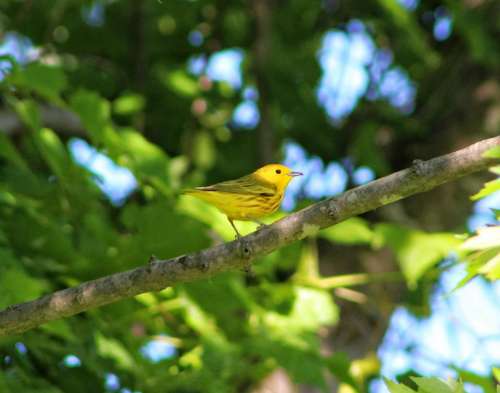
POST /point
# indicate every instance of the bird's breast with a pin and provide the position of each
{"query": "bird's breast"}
(254, 207)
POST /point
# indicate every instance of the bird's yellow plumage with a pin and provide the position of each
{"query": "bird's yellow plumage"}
(249, 197)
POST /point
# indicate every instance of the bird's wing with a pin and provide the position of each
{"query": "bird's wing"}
(243, 185)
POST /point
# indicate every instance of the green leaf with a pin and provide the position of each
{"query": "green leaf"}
(495, 169)
(10, 153)
(488, 189)
(212, 217)
(432, 385)
(149, 223)
(303, 366)
(60, 328)
(94, 112)
(28, 113)
(484, 381)
(181, 83)
(145, 159)
(308, 267)
(487, 237)
(340, 365)
(475, 264)
(415, 42)
(113, 349)
(128, 147)
(397, 388)
(352, 231)
(491, 268)
(15, 284)
(48, 81)
(426, 385)
(54, 152)
(313, 308)
(494, 152)
(416, 251)
(202, 322)
(3, 384)
(128, 104)
(494, 185)
(204, 152)
(470, 25)
(11, 60)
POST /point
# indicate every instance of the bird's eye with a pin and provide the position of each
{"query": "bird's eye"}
(278, 171)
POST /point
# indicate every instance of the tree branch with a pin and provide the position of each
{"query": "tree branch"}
(422, 176)
(60, 120)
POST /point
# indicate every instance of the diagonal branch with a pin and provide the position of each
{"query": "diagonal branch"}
(422, 176)
(60, 120)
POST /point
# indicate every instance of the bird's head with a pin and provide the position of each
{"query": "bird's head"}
(276, 174)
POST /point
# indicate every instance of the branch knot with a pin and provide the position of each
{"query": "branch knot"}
(418, 167)
(332, 210)
(245, 249)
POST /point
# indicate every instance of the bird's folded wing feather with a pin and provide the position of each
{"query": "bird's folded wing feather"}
(244, 185)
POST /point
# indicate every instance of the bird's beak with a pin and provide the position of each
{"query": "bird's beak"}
(293, 174)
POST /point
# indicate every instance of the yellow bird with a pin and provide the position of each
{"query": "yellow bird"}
(250, 197)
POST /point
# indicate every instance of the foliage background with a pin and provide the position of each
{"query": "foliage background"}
(110, 108)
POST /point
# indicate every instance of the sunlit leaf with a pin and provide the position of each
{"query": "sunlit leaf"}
(308, 268)
(416, 251)
(182, 84)
(494, 152)
(313, 308)
(487, 237)
(352, 231)
(394, 387)
(426, 385)
(488, 189)
(433, 385)
(128, 104)
(484, 381)
(113, 349)
(496, 373)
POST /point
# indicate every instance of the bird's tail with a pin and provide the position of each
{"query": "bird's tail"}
(197, 190)
(193, 191)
